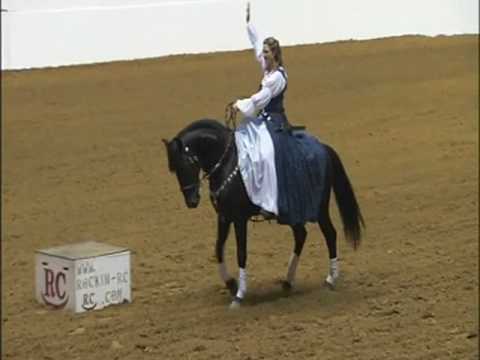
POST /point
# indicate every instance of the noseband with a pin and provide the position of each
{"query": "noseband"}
(192, 159)
(190, 186)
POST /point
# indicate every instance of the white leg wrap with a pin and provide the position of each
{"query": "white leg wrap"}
(242, 283)
(222, 269)
(292, 268)
(333, 272)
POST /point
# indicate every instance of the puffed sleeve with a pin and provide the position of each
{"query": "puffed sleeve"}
(246, 107)
(275, 82)
(250, 106)
(272, 85)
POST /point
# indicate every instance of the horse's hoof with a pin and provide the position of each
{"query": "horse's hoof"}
(329, 285)
(330, 281)
(286, 285)
(235, 304)
(232, 286)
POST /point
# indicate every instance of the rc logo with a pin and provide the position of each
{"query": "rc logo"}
(55, 282)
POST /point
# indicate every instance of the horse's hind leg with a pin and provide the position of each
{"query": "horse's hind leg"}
(300, 234)
(330, 235)
(223, 228)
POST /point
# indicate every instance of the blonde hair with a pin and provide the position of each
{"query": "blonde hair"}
(275, 48)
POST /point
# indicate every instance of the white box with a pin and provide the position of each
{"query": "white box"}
(82, 277)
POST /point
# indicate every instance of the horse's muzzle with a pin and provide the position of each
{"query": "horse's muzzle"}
(192, 201)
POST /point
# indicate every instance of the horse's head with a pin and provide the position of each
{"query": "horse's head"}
(183, 161)
(197, 147)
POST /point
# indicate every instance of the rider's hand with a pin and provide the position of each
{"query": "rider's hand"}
(234, 110)
(248, 12)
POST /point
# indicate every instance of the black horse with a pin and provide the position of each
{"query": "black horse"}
(209, 146)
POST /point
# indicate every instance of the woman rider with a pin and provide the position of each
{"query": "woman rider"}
(274, 164)
(256, 151)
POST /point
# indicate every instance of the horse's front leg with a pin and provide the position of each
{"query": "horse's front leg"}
(241, 236)
(223, 229)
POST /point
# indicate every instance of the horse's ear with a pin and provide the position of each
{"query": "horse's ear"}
(177, 145)
(174, 148)
(174, 145)
(171, 166)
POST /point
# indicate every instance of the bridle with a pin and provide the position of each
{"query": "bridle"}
(193, 160)
(190, 186)
(230, 116)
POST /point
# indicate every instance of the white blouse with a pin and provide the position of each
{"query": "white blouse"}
(273, 82)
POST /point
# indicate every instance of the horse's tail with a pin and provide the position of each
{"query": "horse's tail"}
(346, 201)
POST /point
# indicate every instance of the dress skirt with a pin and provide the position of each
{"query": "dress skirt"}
(301, 163)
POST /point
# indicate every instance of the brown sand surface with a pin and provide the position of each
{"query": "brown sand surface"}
(83, 159)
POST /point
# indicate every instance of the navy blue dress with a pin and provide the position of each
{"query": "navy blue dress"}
(301, 164)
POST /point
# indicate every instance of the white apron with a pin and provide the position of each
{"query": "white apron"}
(256, 160)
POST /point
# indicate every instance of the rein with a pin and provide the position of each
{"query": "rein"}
(207, 175)
(231, 116)
(220, 161)
(215, 194)
(230, 119)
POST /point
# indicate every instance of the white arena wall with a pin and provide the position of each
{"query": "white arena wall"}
(49, 33)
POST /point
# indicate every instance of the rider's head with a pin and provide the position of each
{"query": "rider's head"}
(272, 52)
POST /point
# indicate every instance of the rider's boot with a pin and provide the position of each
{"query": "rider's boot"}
(267, 215)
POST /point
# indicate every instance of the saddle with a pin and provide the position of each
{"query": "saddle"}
(289, 128)
(292, 128)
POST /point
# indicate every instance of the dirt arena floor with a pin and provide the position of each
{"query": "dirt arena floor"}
(82, 159)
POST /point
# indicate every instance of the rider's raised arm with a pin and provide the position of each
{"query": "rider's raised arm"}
(255, 40)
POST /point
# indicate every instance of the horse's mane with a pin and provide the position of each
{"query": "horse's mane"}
(203, 124)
